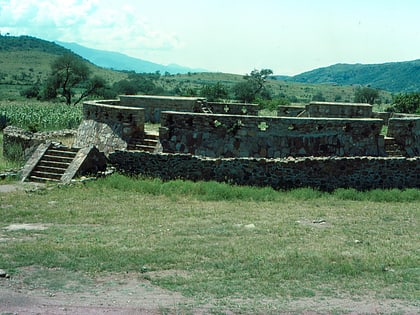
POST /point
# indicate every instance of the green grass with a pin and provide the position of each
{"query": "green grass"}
(4, 163)
(224, 243)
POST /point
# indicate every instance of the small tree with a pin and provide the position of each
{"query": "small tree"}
(366, 95)
(68, 72)
(253, 86)
(214, 92)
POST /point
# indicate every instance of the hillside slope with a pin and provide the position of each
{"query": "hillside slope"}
(26, 60)
(394, 76)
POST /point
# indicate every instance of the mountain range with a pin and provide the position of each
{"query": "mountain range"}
(119, 61)
(394, 77)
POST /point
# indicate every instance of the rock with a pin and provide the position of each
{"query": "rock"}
(3, 274)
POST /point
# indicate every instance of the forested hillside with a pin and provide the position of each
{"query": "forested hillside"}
(395, 77)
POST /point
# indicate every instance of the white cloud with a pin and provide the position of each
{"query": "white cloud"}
(98, 24)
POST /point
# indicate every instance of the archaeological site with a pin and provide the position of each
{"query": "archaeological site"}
(320, 145)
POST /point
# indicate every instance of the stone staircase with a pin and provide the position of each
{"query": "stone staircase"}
(53, 164)
(149, 142)
(205, 109)
(392, 148)
(57, 163)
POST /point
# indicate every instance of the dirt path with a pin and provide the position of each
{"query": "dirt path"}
(115, 294)
(26, 294)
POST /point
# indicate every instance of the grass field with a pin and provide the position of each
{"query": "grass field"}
(214, 242)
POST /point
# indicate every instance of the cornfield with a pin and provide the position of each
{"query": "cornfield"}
(37, 116)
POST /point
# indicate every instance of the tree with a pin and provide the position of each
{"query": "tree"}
(366, 95)
(214, 92)
(253, 86)
(407, 103)
(318, 97)
(92, 86)
(143, 83)
(68, 72)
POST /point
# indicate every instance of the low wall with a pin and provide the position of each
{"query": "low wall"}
(269, 137)
(20, 144)
(154, 105)
(339, 110)
(406, 132)
(233, 108)
(321, 173)
(109, 127)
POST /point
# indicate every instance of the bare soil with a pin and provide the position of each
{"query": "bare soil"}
(118, 294)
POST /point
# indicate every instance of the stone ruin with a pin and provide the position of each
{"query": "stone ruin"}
(322, 145)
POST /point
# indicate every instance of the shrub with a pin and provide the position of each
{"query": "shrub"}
(31, 92)
(3, 121)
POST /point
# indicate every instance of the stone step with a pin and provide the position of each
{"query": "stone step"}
(141, 147)
(45, 175)
(61, 152)
(41, 179)
(54, 158)
(53, 164)
(147, 142)
(206, 110)
(50, 169)
(149, 135)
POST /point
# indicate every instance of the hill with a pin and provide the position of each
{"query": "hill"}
(26, 60)
(393, 76)
(118, 61)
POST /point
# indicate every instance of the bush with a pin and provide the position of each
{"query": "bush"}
(31, 92)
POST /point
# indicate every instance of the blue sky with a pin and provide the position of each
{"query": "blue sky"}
(235, 36)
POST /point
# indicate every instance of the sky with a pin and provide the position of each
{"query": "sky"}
(232, 36)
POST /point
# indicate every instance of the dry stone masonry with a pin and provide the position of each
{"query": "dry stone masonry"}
(269, 137)
(329, 145)
(109, 126)
(326, 173)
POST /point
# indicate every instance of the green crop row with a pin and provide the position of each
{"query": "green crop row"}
(36, 116)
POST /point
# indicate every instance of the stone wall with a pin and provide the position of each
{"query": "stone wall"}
(269, 137)
(20, 144)
(109, 127)
(339, 110)
(322, 173)
(233, 108)
(290, 110)
(154, 105)
(406, 132)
